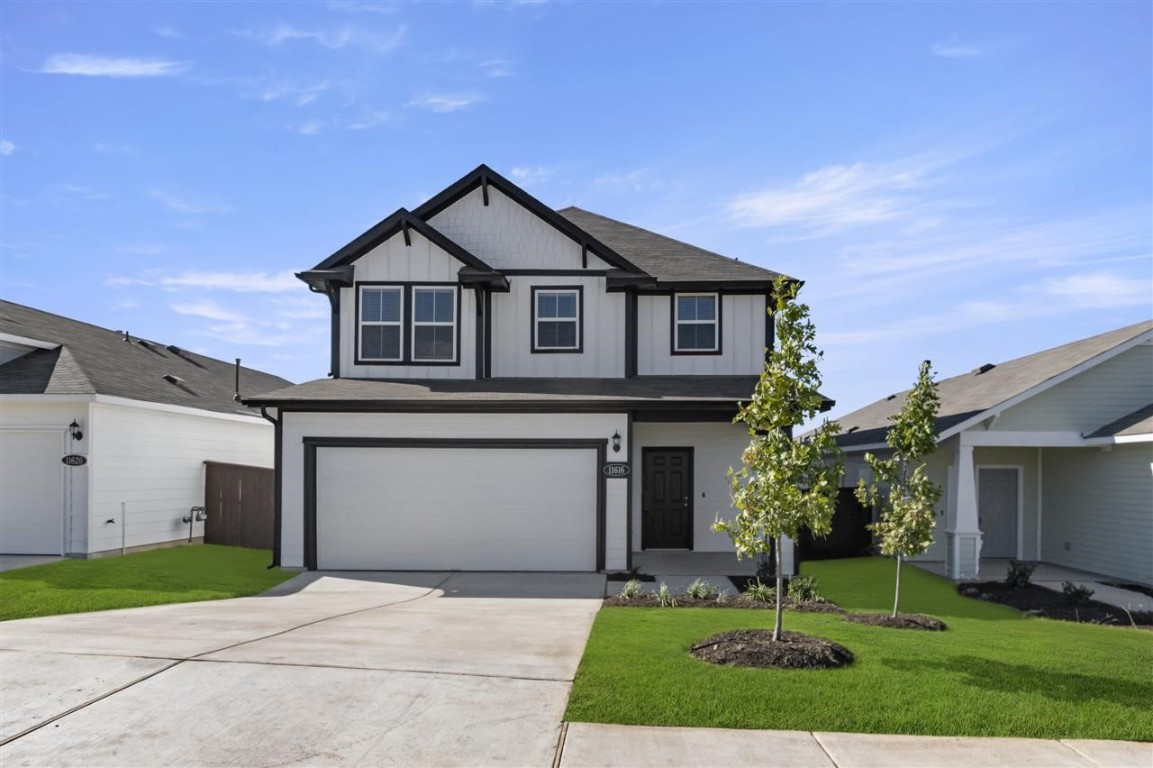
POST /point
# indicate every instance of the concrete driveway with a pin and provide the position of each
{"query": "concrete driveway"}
(327, 669)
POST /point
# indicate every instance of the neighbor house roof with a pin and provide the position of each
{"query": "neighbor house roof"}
(89, 360)
(1140, 422)
(969, 395)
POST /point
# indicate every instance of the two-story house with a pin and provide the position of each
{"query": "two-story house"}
(517, 388)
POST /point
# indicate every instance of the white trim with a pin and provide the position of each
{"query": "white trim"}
(1024, 439)
(1123, 439)
(1020, 469)
(451, 289)
(12, 338)
(1049, 383)
(575, 319)
(866, 447)
(1040, 495)
(361, 323)
(715, 322)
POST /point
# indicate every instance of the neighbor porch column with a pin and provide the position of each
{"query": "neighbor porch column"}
(964, 532)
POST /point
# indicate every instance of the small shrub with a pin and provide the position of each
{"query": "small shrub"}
(701, 590)
(761, 592)
(803, 589)
(1076, 594)
(722, 598)
(1020, 574)
(631, 589)
(666, 597)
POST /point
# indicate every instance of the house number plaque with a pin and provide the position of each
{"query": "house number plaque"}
(616, 469)
(75, 460)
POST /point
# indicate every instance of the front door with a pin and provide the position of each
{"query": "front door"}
(997, 496)
(667, 499)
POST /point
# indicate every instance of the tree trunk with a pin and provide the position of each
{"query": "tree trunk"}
(780, 591)
(897, 591)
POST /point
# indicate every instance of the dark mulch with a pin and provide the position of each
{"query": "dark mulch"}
(629, 576)
(736, 601)
(901, 621)
(755, 648)
(1039, 601)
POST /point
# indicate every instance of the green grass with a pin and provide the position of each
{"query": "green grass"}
(176, 575)
(993, 673)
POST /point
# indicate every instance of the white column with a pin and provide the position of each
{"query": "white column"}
(964, 532)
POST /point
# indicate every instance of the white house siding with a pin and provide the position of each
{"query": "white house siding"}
(1090, 399)
(1098, 510)
(395, 262)
(742, 339)
(40, 422)
(297, 426)
(506, 235)
(153, 462)
(716, 448)
(603, 319)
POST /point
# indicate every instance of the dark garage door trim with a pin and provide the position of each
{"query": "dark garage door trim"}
(312, 443)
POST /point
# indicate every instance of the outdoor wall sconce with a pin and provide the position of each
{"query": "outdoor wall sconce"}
(74, 431)
(616, 442)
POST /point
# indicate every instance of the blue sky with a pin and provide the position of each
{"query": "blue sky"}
(965, 182)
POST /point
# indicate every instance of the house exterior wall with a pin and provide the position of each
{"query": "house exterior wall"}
(1098, 513)
(505, 235)
(1090, 399)
(742, 339)
(716, 448)
(152, 461)
(297, 426)
(1026, 459)
(603, 331)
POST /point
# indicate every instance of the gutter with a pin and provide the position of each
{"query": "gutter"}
(278, 442)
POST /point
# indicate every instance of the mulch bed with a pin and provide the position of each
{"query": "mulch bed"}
(755, 648)
(1039, 601)
(629, 576)
(901, 621)
(734, 601)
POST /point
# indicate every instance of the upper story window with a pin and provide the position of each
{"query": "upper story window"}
(433, 324)
(556, 319)
(381, 310)
(696, 323)
(408, 324)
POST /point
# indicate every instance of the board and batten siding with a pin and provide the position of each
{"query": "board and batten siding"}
(1089, 400)
(394, 262)
(297, 426)
(742, 339)
(506, 235)
(1098, 510)
(152, 461)
(603, 332)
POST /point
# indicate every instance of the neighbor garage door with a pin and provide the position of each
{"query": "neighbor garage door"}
(31, 492)
(492, 508)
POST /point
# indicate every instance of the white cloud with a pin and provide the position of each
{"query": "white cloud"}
(309, 128)
(337, 38)
(237, 282)
(497, 67)
(297, 95)
(87, 193)
(168, 31)
(209, 310)
(635, 180)
(527, 176)
(1095, 290)
(178, 204)
(371, 120)
(105, 66)
(361, 6)
(446, 102)
(957, 51)
(6, 147)
(256, 334)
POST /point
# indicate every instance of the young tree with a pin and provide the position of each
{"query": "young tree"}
(784, 485)
(901, 486)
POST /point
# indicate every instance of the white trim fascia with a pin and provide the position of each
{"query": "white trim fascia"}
(47, 398)
(12, 338)
(866, 447)
(1118, 439)
(1093, 362)
(1024, 439)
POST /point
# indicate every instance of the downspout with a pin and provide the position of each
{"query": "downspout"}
(333, 293)
(278, 461)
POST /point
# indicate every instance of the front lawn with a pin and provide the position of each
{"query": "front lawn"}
(993, 673)
(176, 575)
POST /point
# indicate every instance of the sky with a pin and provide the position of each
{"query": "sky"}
(961, 182)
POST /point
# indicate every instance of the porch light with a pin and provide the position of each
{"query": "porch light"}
(616, 442)
(74, 431)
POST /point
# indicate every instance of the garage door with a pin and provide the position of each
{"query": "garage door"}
(31, 492)
(492, 509)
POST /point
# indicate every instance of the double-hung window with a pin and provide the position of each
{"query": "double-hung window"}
(556, 320)
(381, 313)
(433, 324)
(696, 323)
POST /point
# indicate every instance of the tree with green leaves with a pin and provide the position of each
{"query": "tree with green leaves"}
(900, 486)
(784, 485)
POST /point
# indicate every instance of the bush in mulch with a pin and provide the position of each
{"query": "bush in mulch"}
(901, 621)
(755, 648)
(1047, 603)
(733, 601)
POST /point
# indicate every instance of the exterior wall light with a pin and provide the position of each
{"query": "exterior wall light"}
(74, 431)
(616, 442)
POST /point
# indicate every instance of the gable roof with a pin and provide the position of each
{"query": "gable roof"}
(96, 361)
(968, 397)
(664, 258)
(1140, 422)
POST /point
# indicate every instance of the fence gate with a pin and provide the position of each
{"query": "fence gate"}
(240, 503)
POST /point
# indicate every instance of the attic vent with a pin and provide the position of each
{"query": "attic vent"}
(174, 349)
(145, 344)
(983, 369)
(891, 397)
(173, 379)
(851, 430)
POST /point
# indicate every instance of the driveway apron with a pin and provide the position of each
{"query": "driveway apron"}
(336, 668)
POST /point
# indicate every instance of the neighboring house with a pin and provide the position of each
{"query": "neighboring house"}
(1047, 457)
(145, 416)
(497, 368)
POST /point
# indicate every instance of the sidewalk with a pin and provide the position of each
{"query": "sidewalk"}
(585, 745)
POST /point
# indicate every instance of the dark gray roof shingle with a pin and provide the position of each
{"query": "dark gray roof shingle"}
(1140, 422)
(93, 360)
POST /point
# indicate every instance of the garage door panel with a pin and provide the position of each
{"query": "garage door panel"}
(459, 509)
(31, 492)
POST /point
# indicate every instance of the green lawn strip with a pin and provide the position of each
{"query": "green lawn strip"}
(175, 575)
(993, 673)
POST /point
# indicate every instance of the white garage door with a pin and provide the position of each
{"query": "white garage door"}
(31, 492)
(491, 509)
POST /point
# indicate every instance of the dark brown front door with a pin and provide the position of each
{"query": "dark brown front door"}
(667, 499)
